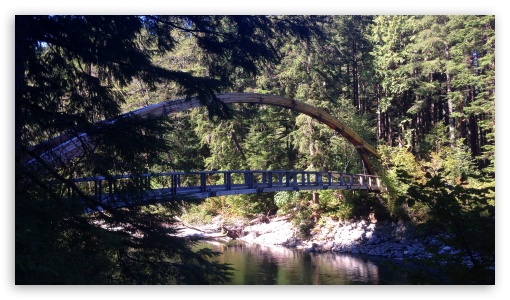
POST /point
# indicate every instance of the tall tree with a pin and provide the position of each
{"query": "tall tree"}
(473, 63)
(429, 73)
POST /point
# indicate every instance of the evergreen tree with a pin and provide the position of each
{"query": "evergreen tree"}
(473, 63)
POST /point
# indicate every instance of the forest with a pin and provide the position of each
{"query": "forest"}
(421, 89)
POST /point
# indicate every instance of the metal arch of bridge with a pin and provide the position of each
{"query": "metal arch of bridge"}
(161, 187)
(65, 147)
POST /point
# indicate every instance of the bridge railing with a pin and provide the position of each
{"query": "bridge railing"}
(205, 184)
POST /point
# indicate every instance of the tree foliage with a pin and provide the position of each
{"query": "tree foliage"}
(466, 218)
(73, 71)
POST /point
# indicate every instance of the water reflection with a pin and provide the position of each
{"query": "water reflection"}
(271, 265)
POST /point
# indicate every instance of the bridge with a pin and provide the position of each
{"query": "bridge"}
(126, 190)
(204, 184)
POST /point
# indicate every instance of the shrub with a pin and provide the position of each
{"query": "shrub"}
(196, 215)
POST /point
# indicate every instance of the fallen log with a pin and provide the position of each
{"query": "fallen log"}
(191, 226)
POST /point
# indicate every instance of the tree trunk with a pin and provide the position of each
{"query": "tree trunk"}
(379, 123)
(451, 119)
(355, 76)
(473, 136)
(237, 145)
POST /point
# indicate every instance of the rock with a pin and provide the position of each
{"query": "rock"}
(446, 248)
(393, 240)
(292, 242)
(410, 250)
(312, 247)
(328, 246)
(250, 237)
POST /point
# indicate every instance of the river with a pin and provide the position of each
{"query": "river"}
(277, 265)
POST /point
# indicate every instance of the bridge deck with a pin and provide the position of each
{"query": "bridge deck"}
(160, 187)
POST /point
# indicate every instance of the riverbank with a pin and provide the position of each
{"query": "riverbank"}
(385, 239)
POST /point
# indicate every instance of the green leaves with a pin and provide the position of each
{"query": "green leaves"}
(282, 198)
(466, 213)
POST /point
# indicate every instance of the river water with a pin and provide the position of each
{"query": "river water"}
(277, 265)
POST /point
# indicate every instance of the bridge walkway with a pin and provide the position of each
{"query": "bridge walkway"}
(160, 187)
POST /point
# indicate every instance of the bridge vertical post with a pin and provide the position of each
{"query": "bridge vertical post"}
(303, 180)
(228, 181)
(352, 180)
(341, 178)
(287, 179)
(136, 182)
(318, 179)
(174, 184)
(270, 181)
(97, 189)
(329, 178)
(110, 190)
(248, 181)
(264, 177)
(369, 181)
(140, 184)
(361, 180)
(308, 179)
(202, 182)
